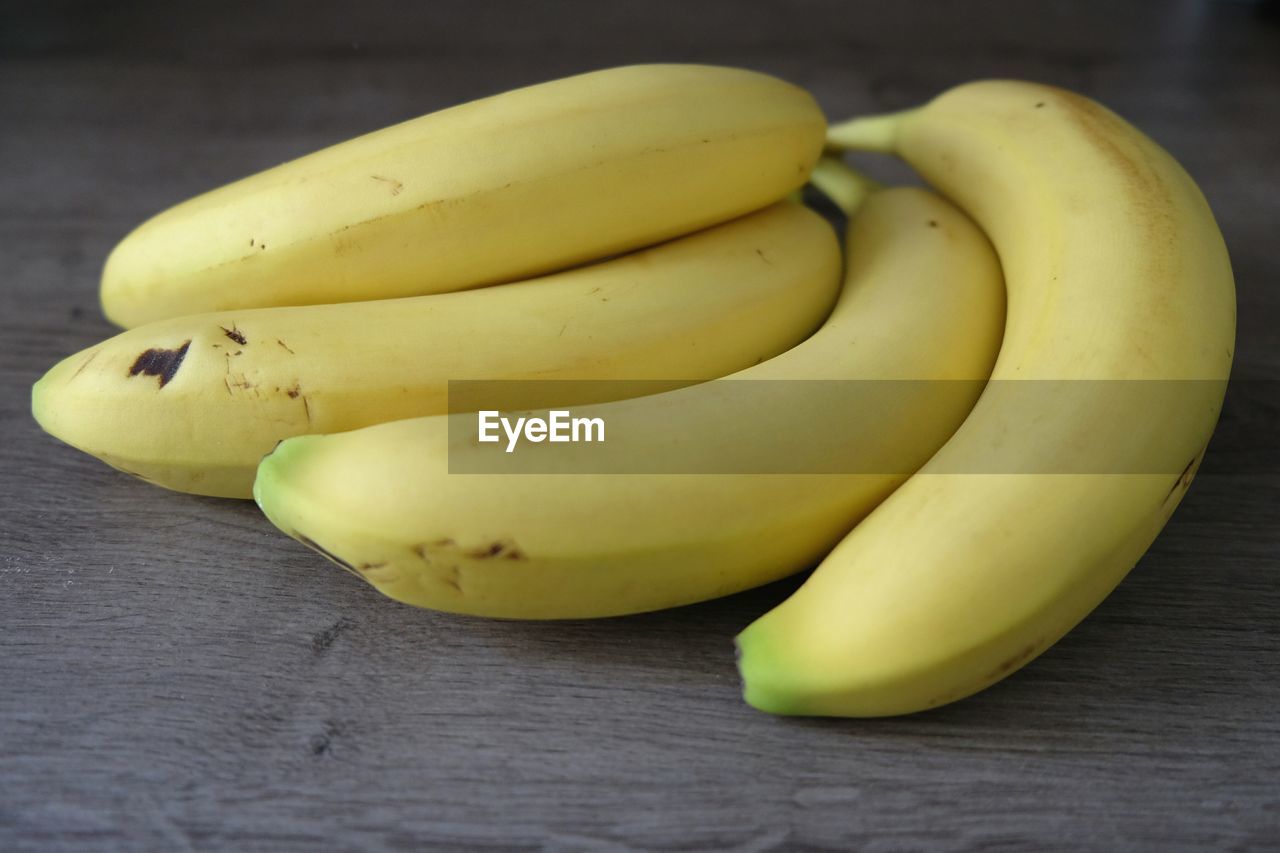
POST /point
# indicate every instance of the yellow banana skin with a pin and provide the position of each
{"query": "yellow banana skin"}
(194, 403)
(922, 298)
(1115, 270)
(500, 189)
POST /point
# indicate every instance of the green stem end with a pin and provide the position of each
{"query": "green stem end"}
(868, 133)
(841, 183)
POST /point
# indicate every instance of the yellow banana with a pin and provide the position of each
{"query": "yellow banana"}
(195, 402)
(922, 299)
(499, 189)
(1117, 348)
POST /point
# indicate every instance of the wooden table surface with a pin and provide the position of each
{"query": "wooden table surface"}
(176, 675)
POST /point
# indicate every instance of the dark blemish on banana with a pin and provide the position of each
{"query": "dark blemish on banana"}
(506, 550)
(85, 363)
(761, 253)
(423, 549)
(294, 391)
(163, 363)
(235, 335)
(1020, 658)
(395, 185)
(326, 553)
(933, 223)
(368, 567)
(286, 347)
(250, 241)
(1184, 479)
(322, 640)
(454, 578)
(1040, 104)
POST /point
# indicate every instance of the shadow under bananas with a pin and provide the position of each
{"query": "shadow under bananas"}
(1169, 648)
(1172, 646)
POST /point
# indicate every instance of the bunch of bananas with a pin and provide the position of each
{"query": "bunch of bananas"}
(293, 337)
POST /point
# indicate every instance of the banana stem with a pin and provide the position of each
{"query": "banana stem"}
(867, 133)
(841, 183)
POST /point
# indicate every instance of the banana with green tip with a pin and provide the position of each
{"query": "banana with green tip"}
(1110, 379)
(922, 300)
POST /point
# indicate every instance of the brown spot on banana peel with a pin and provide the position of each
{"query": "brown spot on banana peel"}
(163, 363)
(85, 363)
(1184, 479)
(486, 551)
(423, 551)
(505, 549)
(395, 186)
(1010, 664)
(453, 578)
(286, 347)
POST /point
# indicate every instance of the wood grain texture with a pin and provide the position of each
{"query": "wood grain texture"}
(174, 675)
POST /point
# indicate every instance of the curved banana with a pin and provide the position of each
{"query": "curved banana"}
(922, 299)
(504, 188)
(1109, 382)
(194, 403)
